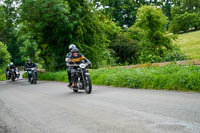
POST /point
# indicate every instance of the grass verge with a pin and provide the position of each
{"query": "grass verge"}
(171, 77)
(2, 75)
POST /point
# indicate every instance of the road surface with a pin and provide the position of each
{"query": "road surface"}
(51, 107)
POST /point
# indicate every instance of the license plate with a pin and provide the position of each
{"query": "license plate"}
(87, 74)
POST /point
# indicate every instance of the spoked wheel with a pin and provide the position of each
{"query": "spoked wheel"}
(88, 85)
(34, 79)
(13, 79)
(75, 90)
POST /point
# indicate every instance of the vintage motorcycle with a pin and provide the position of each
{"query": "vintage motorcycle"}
(13, 74)
(83, 81)
(32, 72)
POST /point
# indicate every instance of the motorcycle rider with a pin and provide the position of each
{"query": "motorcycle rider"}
(10, 67)
(76, 58)
(30, 65)
(71, 46)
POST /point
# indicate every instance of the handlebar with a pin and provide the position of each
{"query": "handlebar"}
(31, 68)
(76, 65)
(73, 65)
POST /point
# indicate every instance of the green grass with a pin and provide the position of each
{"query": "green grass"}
(171, 77)
(2, 75)
(190, 44)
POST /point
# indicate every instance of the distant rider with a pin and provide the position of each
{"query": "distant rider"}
(76, 58)
(9, 68)
(30, 65)
(71, 46)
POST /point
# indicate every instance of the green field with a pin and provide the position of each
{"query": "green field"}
(190, 44)
(171, 77)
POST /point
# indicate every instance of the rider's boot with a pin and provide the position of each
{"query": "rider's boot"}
(73, 85)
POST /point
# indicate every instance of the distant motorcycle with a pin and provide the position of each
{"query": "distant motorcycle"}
(83, 81)
(13, 74)
(17, 73)
(32, 72)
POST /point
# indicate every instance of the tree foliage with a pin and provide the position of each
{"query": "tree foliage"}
(4, 56)
(8, 26)
(151, 27)
(57, 23)
(105, 31)
(185, 16)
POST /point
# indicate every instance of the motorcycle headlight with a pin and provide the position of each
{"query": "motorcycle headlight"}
(82, 65)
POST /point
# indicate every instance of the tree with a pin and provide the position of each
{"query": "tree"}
(185, 16)
(154, 43)
(29, 45)
(8, 28)
(190, 5)
(57, 23)
(4, 56)
(123, 12)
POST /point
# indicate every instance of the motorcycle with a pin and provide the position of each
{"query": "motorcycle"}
(83, 81)
(32, 72)
(17, 73)
(12, 74)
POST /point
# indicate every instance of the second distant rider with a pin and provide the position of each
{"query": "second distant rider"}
(30, 65)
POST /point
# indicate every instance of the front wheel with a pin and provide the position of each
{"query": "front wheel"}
(13, 79)
(34, 79)
(75, 90)
(88, 85)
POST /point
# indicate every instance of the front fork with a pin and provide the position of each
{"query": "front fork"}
(80, 80)
(83, 79)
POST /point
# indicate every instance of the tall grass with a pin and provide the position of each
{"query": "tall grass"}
(171, 77)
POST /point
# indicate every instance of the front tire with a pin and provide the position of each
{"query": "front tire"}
(88, 85)
(13, 79)
(75, 90)
(34, 79)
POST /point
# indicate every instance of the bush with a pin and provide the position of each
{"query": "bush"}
(4, 56)
(125, 48)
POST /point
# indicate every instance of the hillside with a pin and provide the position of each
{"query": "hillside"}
(190, 44)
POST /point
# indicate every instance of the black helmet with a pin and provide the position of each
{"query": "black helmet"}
(28, 60)
(74, 50)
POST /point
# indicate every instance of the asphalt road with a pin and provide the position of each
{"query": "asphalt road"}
(51, 107)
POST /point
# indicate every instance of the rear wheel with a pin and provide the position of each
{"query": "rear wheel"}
(88, 85)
